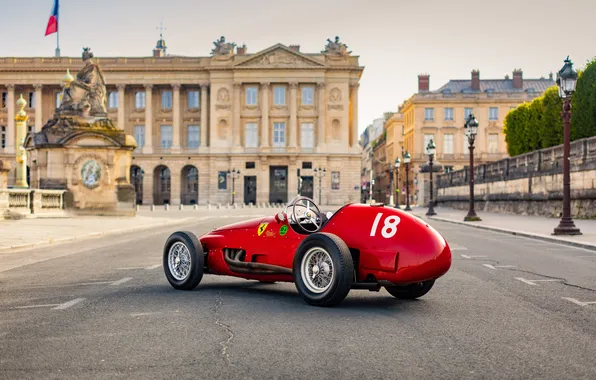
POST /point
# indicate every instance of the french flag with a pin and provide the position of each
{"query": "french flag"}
(53, 22)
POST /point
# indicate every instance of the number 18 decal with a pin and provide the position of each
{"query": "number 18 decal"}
(389, 226)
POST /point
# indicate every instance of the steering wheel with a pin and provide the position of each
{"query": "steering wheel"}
(309, 216)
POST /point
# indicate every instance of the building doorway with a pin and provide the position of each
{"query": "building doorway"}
(190, 185)
(136, 179)
(161, 185)
(250, 189)
(278, 184)
(307, 189)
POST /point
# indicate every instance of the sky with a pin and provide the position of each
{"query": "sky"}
(396, 40)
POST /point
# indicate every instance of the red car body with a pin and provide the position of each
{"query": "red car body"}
(389, 246)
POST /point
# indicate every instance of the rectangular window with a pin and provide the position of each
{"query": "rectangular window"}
(308, 96)
(429, 114)
(113, 100)
(307, 165)
(222, 180)
(3, 137)
(427, 138)
(4, 97)
(194, 137)
(279, 134)
(32, 100)
(193, 99)
(166, 100)
(493, 113)
(140, 100)
(251, 96)
(448, 113)
(467, 112)
(249, 165)
(334, 180)
(279, 95)
(307, 135)
(166, 136)
(139, 135)
(251, 135)
(58, 99)
(493, 143)
(448, 143)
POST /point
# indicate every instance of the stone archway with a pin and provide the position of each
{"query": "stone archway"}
(136, 179)
(162, 181)
(189, 186)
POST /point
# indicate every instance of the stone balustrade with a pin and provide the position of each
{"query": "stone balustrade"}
(531, 183)
(31, 203)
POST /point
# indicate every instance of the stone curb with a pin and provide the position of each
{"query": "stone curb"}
(94, 235)
(520, 233)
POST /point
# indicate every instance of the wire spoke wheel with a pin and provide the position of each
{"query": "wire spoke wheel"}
(179, 261)
(317, 270)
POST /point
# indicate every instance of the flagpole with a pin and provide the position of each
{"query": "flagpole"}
(58, 30)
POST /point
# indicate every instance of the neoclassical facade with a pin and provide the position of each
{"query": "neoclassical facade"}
(209, 129)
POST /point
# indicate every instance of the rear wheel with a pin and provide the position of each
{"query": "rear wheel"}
(183, 260)
(323, 269)
(411, 291)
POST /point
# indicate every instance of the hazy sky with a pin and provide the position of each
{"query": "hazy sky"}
(396, 40)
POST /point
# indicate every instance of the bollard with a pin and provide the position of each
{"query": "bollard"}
(234, 205)
(138, 208)
(181, 207)
(243, 206)
(196, 207)
(167, 206)
(152, 207)
(218, 206)
(208, 206)
(227, 205)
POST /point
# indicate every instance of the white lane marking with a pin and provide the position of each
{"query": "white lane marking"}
(489, 266)
(122, 281)
(590, 256)
(577, 302)
(533, 282)
(130, 268)
(68, 304)
(459, 248)
(36, 306)
(505, 266)
(153, 266)
(471, 257)
(144, 314)
(93, 283)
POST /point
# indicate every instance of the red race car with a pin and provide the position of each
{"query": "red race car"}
(358, 247)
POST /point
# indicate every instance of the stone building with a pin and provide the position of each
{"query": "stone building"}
(197, 119)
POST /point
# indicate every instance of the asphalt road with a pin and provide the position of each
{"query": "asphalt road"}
(510, 308)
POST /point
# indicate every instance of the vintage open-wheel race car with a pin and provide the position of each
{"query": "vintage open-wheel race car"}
(359, 246)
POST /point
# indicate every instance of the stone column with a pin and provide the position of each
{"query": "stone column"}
(121, 115)
(321, 133)
(38, 107)
(293, 116)
(237, 128)
(265, 115)
(354, 105)
(204, 120)
(148, 148)
(10, 132)
(147, 185)
(176, 119)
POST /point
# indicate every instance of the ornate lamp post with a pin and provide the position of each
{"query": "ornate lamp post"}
(397, 164)
(471, 131)
(320, 173)
(21, 153)
(407, 162)
(234, 174)
(431, 149)
(566, 80)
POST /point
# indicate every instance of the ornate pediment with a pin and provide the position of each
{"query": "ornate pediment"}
(279, 56)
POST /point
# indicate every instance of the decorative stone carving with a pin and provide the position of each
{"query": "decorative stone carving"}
(204, 86)
(176, 86)
(293, 85)
(10, 87)
(336, 48)
(223, 95)
(335, 107)
(222, 48)
(38, 87)
(320, 85)
(278, 57)
(91, 173)
(222, 106)
(121, 87)
(148, 87)
(335, 95)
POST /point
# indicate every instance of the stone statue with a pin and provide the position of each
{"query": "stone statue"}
(86, 95)
(222, 47)
(336, 48)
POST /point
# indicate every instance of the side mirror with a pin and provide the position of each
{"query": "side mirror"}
(280, 217)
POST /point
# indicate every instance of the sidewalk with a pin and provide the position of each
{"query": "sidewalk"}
(536, 227)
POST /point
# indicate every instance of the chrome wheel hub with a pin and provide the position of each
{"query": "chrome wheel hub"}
(317, 270)
(179, 261)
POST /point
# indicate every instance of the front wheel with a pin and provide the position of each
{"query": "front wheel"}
(411, 291)
(183, 260)
(323, 269)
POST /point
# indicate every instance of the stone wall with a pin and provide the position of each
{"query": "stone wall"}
(529, 184)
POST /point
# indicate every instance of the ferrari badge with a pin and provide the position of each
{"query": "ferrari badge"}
(262, 227)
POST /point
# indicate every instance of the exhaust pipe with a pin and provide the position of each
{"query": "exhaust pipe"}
(236, 265)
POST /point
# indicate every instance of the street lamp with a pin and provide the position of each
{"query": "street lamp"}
(471, 131)
(407, 162)
(234, 174)
(397, 164)
(319, 173)
(430, 150)
(566, 80)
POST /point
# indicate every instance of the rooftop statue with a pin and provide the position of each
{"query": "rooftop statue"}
(222, 47)
(336, 48)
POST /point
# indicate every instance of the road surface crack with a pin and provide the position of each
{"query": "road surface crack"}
(563, 281)
(225, 344)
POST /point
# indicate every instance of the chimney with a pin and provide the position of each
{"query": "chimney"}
(475, 80)
(423, 82)
(518, 81)
(295, 48)
(550, 75)
(241, 50)
(158, 52)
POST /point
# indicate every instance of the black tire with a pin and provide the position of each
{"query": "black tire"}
(342, 264)
(411, 291)
(197, 260)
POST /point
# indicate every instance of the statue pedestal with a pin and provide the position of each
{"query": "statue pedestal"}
(92, 164)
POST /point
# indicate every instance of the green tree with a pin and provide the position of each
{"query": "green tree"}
(583, 119)
(551, 132)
